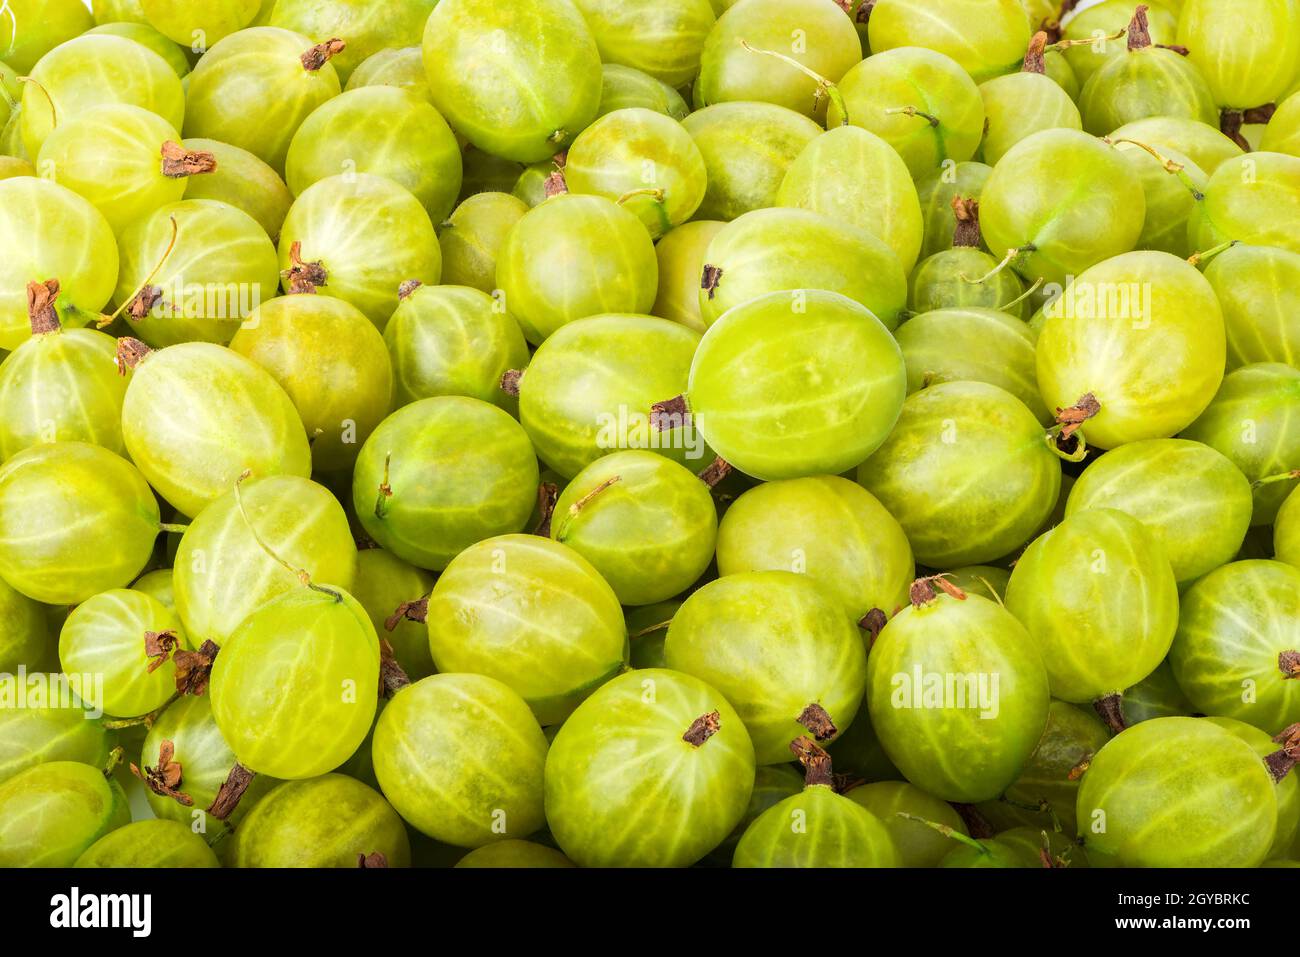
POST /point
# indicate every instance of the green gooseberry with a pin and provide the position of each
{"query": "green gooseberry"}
(241, 180)
(986, 853)
(508, 604)
(331, 362)
(647, 524)
(295, 688)
(1250, 200)
(858, 751)
(367, 27)
(539, 89)
(777, 51)
(779, 250)
(92, 71)
(514, 853)
(965, 277)
(1155, 696)
(1177, 792)
(1019, 105)
(1171, 183)
(24, 632)
(105, 650)
(968, 472)
(149, 37)
(32, 28)
(359, 237)
(747, 148)
(254, 88)
(1282, 134)
(147, 844)
(827, 527)
(327, 821)
(473, 235)
(1254, 420)
(75, 520)
(533, 185)
(958, 695)
(1058, 70)
(384, 131)
(485, 173)
(1047, 790)
(647, 629)
(51, 813)
(11, 95)
(853, 176)
(643, 160)
(648, 733)
(623, 87)
(972, 345)
(12, 167)
(895, 804)
(194, 271)
(773, 783)
(817, 827)
(401, 68)
(1286, 531)
(66, 239)
(1237, 651)
(157, 584)
(780, 647)
(663, 39)
(453, 340)
(1258, 288)
(197, 415)
(199, 21)
(117, 11)
(796, 383)
(1288, 789)
(1200, 142)
(49, 729)
(1143, 334)
(1099, 598)
(919, 101)
(589, 388)
(440, 474)
(986, 581)
(936, 193)
(575, 256)
(1058, 231)
(1194, 501)
(680, 255)
(1097, 34)
(223, 572)
(986, 37)
(472, 777)
(384, 583)
(1247, 50)
(61, 385)
(1145, 81)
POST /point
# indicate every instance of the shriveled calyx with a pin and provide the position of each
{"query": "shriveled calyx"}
(1139, 34)
(709, 279)
(178, 162)
(1288, 662)
(407, 289)
(164, 779)
(510, 380)
(923, 590)
(1280, 762)
(873, 623)
(41, 313)
(816, 763)
(194, 668)
(231, 792)
(320, 54)
(715, 472)
(304, 277)
(1064, 438)
(371, 862)
(817, 720)
(130, 353)
(158, 648)
(1036, 56)
(669, 414)
(1110, 709)
(548, 493)
(392, 676)
(703, 728)
(967, 233)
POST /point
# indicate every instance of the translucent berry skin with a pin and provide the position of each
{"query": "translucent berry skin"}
(813, 338)
(1019, 105)
(150, 843)
(987, 37)
(384, 582)
(472, 237)
(1288, 789)
(1235, 625)
(368, 28)
(1142, 83)
(191, 20)
(625, 744)
(1177, 792)
(541, 89)
(623, 87)
(514, 853)
(1244, 66)
(51, 813)
(241, 180)
(1286, 531)
(75, 520)
(1242, 200)
(664, 40)
(1169, 202)
(935, 193)
(504, 606)
(1204, 145)
(402, 68)
(327, 821)
(439, 475)
(917, 844)
(38, 735)
(957, 750)
(38, 26)
(681, 263)
(294, 690)
(1097, 595)
(1259, 290)
(836, 832)
(472, 778)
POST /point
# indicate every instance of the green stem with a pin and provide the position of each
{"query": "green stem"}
(1171, 166)
(824, 86)
(913, 111)
(171, 529)
(1271, 479)
(299, 573)
(1195, 259)
(661, 207)
(946, 831)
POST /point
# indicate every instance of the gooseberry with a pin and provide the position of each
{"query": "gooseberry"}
(31, 28)
(54, 729)
(241, 180)
(1258, 288)
(1244, 67)
(623, 87)
(986, 37)
(473, 235)
(367, 27)
(150, 843)
(663, 39)
(51, 813)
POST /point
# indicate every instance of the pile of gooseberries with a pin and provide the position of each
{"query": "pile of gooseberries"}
(578, 433)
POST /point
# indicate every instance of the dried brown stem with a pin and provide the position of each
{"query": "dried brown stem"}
(703, 728)
(178, 162)
(230, 792)
(320, 54)
(40, 306)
